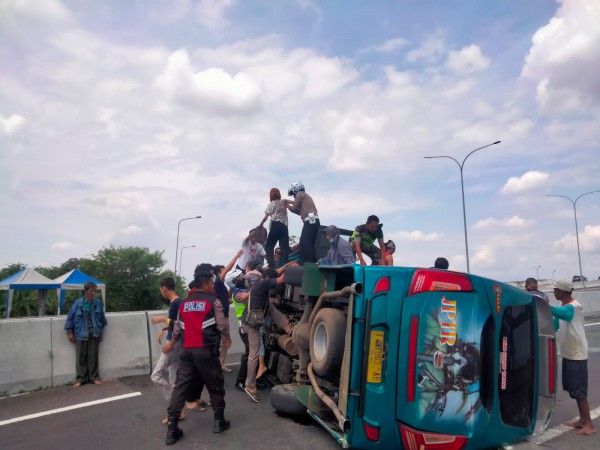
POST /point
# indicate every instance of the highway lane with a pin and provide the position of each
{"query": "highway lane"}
(134, 422)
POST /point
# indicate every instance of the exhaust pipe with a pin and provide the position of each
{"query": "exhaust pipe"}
(286, 343)
(343, 422)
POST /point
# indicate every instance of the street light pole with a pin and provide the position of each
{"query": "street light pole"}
(574, 203)
(462, 189)
(537, 272)
(181, 256)
(553, 272)
(177, 246)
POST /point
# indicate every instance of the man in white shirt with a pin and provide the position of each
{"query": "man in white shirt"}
(253, 251)
(568, 321)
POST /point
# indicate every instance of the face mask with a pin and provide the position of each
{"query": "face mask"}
(331, 241)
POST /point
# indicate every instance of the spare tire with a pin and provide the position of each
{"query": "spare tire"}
(327, 339)
(284, 400)
(293, 275)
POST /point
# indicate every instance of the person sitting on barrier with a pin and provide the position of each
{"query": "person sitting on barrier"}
(84, 325)
(201, 314)
(363, 241)
(258, 301)
(339, 252)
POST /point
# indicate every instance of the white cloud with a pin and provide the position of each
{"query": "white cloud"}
(468, 60)
(589, 240)
(132, 229)
(485, 256)
(388, 46)
(529, 181)
(511, 222)
(47, 11)
(12, 124)
(432, 48)
(564, 56)
(211, 13)
(213, 88)
(417, 235)
(63, 245)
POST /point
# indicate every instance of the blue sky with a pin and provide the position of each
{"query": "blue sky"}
(118, 119)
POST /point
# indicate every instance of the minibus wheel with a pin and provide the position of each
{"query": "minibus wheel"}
(327, 342)
(284, 400)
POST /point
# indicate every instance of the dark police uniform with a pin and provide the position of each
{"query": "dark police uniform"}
(201, 319)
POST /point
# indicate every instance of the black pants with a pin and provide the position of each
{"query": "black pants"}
(86, 360)
(241, 375)
(278, 232)
(308, 238)
(198, 365)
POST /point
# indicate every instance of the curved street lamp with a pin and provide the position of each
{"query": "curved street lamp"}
(537, 272)
(574, 203)
(177, 246)
(181, 255)
(462, 188)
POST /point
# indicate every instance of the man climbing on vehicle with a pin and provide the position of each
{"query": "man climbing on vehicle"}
(363, 241)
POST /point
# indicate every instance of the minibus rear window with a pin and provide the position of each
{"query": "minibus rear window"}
(517, 366)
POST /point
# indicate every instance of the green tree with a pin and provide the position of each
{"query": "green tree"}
(131, 275)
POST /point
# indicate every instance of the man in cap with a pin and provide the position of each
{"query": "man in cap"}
(568, 321)
(201, 314)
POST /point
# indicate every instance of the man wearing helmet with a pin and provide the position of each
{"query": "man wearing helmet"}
(304, 206)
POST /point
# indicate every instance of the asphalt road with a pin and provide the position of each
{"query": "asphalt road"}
(133, 422)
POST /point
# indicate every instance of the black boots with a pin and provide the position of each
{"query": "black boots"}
(173, 432)
(221, 425)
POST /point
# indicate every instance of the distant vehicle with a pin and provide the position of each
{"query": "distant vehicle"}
(413, 358)
(580, 278)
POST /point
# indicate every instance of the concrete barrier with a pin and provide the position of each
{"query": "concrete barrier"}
(26, 356)
(37, 354)
(233, 355)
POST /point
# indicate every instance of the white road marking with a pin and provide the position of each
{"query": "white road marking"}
(68, 408)
(591, 324)
(558, 430)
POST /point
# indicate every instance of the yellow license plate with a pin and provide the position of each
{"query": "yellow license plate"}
(375, 357)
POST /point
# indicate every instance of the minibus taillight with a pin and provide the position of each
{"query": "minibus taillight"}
(371, 431)
(427, 280)
(551, 366)
(412, 359)
(421, 440)
(382, 285)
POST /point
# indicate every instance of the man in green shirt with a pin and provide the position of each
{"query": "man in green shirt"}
(363, 241)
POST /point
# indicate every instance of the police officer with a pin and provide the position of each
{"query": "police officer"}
(201, 316)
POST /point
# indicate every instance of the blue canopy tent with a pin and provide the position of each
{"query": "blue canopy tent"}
(74, 280)
(27, 279)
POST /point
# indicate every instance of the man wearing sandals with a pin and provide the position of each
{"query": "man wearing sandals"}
(568, 321)
(85, 324)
